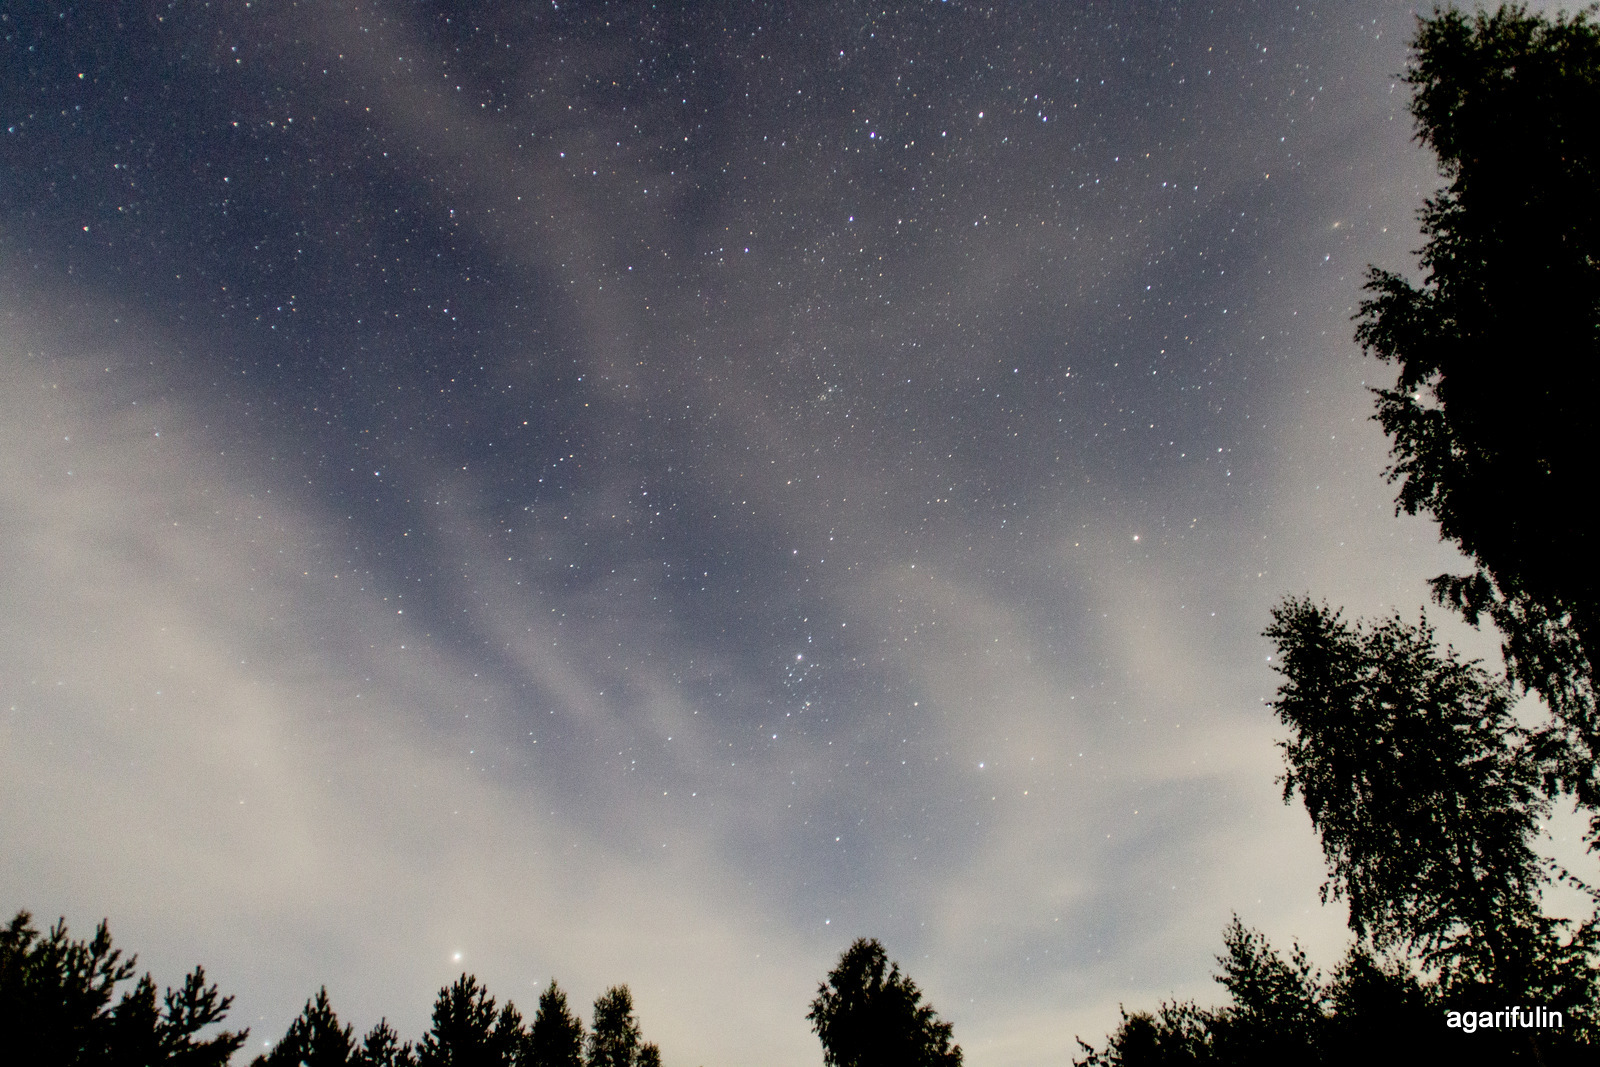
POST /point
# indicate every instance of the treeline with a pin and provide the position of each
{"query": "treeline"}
(1429, 795)
(1427, 783)
(59, 1007)
(57, 993)
(468, 1029)
(56, 1005)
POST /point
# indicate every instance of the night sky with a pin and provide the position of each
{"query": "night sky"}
(649, 493)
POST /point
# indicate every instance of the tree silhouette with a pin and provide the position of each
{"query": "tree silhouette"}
(1425, 788)
(1376, 1003)
(55, 1005)
(1428, 795)
(1282, 1011)
(1279, 1005)
(314, 1039)
(614, 1035)
(382, 1047)
(1422, 785)
(468, 1032)
(56, 1009)
(868, 1014)
(1499, 349)
(556, 1037)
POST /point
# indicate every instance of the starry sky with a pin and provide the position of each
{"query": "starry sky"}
(650, 493)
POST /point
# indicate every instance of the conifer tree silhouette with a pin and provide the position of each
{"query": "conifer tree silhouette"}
(556, 1037)
(382, 1047)
(55, 1005)
(468, 1032)
(314, 1039)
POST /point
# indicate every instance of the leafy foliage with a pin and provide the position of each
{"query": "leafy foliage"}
(868, 1014)
(55, 1003)
(1427, 792)
(1499, 349)
(1279, 1004)
(1282, 1011)
(1428, 796)
(1423, 787)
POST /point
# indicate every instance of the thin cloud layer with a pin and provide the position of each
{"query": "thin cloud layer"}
(650, 500)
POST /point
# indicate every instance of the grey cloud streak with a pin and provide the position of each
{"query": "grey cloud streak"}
(194, 723)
